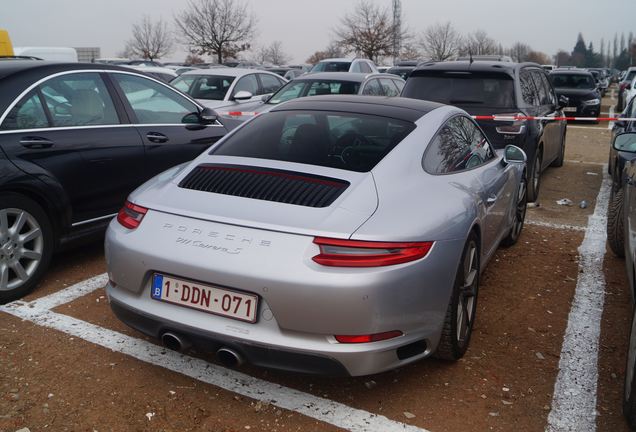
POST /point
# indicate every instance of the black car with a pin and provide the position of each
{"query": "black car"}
(580, 87)
(505, 89)
(616, 164)
(75, 140)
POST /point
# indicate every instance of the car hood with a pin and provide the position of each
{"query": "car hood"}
(577, 93)
(340, 219)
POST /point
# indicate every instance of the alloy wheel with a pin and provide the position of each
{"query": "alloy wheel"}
(467, 294)
(21, 247)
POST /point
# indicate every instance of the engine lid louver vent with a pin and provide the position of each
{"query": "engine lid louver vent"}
(267, 184)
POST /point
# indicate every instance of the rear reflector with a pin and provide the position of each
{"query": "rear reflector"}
(368, 338)
(355, 253)
(131, 215)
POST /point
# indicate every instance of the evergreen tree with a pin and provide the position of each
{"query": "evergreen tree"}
(615, 51)
(622, 43)
(579, 53)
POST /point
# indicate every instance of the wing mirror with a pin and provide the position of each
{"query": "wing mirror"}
(513, 154)
(563, 101)
(243, 95)
(625, 142)
(208, 115)
(265, 98)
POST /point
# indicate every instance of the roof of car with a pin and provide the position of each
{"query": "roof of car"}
(570, 72)
(476, 66)
(232, 72)
(45, 67)
(339, 59)
(394, 107)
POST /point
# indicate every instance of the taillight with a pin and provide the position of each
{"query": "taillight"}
(131, 215)
(355, 253)
(368, 338)
(517, 127)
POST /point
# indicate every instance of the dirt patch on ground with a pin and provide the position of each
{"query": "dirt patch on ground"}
(505, 381)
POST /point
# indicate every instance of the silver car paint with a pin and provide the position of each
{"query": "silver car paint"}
(266, 248)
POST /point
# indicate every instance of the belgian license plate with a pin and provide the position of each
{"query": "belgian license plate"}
(215, 300)
(569, 109)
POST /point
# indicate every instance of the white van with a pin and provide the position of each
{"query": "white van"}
(57, 54)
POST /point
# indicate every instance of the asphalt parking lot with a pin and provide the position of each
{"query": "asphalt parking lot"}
(71, 365)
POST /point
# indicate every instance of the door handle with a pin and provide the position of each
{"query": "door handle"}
(156, 137)
(35, 143)
(491, 200)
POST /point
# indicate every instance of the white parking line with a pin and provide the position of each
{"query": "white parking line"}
(325, 410)
(574, 400)
(557, 226)
(598, 128)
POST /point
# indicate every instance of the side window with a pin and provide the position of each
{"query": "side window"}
(270, 83)
(184, 83)
(247, 83)
(458, 146)
(365, 68)
(552, 99)
(152, 102)
(27, 114)
(79, 99)
(399, 85)
(356, 67)
(542, 88)
(373, 88)
(389, 86)
(528, 91)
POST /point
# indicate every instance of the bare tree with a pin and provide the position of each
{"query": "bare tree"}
(368, 30)
(333, 50)
(273, 53)
(440, 41)
(538, 57)
(222, 28)
(410, 51)
(519, 52)
(478, 43)
(150, 40)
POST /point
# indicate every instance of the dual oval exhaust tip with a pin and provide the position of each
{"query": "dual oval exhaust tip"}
(226, 356)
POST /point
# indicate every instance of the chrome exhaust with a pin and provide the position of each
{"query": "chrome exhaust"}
(174, 342)
(229, 358)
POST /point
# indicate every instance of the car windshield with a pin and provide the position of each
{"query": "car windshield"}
(572, 81)
(332, 67)
(211, 87)
(463, 88)
(630, 76)
(297, 89)
(354, 142)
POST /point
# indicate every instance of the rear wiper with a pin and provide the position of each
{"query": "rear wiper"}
(461, 101)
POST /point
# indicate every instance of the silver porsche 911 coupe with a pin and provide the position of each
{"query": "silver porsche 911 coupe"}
(332, 235)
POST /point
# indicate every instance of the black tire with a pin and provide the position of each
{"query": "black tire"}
(558, 162)
(452, 346)
(616, 223)
(520, 214)
(629, 390)
(26, 245)
(534, 179)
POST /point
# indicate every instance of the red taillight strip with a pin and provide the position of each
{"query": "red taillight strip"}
(131, 215)
(388, 253)
(377, 337)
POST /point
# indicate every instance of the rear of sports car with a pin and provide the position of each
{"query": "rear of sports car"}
(256, 258)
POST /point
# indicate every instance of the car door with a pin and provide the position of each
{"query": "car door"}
(269, 84)
(83, 142)
(548, 108)
(167, 122)
(248, 83)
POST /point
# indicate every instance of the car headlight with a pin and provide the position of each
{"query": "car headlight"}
(592, 102)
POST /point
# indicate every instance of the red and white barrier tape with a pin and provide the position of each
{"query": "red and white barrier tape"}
(237, 113)
(520, 118)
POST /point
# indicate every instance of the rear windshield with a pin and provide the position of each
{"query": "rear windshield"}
(354, 142)
(464, 88)
(297, 89)
(211, 87)
(572, 81)
(332, 67)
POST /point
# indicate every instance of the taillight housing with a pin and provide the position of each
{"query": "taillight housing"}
(516, 127)
(356, 253)
(131, 215)
(377, 337)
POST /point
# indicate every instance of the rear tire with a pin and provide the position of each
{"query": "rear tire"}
(534, 181)
(460, 314)
(26, 245)
(615, 223)
(558, 162)
(520, 214)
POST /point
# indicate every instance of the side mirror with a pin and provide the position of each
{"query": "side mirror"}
(265, 98)
(563, 101)
(513, 154)
(207, 116)
(242, 95)
(625, 142)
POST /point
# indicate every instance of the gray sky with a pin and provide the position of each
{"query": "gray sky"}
(305, 26)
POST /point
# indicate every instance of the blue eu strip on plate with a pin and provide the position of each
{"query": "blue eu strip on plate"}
(157, 284)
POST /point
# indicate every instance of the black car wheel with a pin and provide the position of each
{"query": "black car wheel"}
(460, 315)
(615, 223)
(558, 162)
(629, 393)
(534, 181)
(26, 244)
(520, 214)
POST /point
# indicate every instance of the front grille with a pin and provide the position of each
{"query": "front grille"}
(265, 184)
